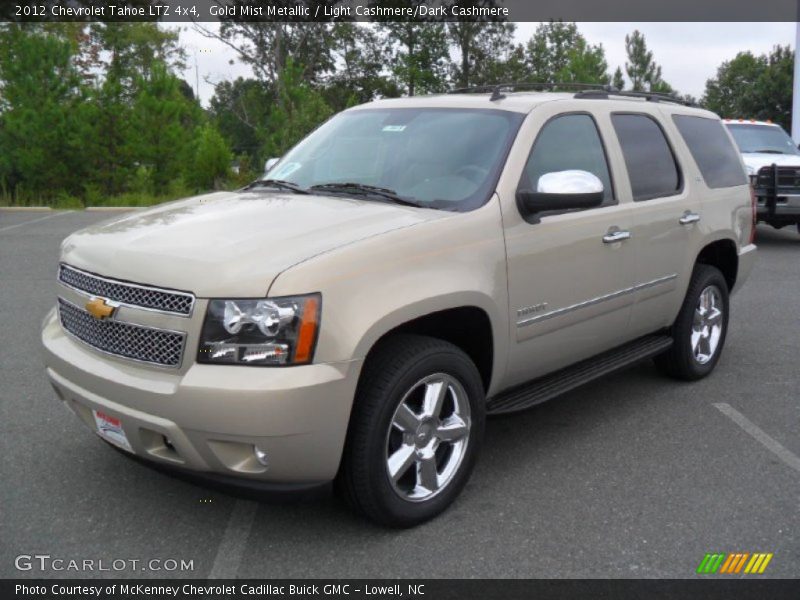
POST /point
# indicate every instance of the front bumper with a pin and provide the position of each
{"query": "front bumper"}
(209, 418)
(786, 208)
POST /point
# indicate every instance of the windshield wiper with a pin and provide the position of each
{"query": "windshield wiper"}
(278, 183)
(766, 151)
(364, 190)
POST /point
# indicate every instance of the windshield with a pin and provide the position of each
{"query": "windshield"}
(763, 138)
(438, 158)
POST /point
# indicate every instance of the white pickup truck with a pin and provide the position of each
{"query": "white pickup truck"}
(772, 160)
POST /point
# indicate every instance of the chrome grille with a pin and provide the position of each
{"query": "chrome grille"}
(136, 342)
(132, 294)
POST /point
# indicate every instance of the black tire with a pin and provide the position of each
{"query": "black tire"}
(680, 361)
(394, 372)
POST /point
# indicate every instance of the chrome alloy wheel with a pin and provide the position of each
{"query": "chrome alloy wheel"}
(427, 438)
(707, 325)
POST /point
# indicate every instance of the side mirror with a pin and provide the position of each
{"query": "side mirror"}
(269, 164)
(561, 190)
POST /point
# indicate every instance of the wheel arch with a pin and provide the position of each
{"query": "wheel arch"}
(467, 326)
(723, 255)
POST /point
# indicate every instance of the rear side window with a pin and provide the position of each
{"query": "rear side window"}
(651, 165)
(712, 150)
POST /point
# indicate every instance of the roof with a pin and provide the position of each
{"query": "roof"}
(521, 102)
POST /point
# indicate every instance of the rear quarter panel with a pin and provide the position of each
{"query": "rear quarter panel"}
(726, 212)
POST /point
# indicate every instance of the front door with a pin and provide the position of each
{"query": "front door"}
(569, 272)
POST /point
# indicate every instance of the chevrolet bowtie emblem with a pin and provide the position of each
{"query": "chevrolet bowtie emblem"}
(99, 309)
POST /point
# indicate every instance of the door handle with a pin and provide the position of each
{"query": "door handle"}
(616, 236)
(688, 218)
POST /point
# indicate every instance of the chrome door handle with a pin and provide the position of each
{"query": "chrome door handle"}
(688, 218)
(616, 236)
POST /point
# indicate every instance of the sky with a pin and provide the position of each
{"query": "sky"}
(689, 53)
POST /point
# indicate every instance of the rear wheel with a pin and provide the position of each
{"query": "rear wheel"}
(415, 432)
(700, 329)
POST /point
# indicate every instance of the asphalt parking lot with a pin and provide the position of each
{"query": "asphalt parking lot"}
(634, 476)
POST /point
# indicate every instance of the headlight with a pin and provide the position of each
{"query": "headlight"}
(267, 331)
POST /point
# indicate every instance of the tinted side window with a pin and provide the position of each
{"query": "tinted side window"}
(712, 150)
(564, 143)
(651, 164)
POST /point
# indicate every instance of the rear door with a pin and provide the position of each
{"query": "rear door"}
(666, 219)
(725, 197)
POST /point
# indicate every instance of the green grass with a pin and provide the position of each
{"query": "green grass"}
(94, 197)
(69, 202)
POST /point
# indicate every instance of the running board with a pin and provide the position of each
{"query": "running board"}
(552, 385)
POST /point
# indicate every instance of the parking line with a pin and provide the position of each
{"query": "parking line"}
(58, 214)
(771, 444)
(231, 548)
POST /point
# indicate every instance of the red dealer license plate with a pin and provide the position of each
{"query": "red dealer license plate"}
(110, 429)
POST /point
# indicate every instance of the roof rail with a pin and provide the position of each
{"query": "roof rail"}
(648, 96)
(585, 90)
(497, 89)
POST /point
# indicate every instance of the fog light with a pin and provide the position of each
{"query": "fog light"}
(261, 456)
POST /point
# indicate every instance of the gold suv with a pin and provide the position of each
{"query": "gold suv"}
(410, 267)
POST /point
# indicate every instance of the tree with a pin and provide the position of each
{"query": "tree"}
(95, 110)
(358, 52)
(755, 87)
(733, 93)
(162, 118)
(211, 159)
(482, 47)
(131, 50)
(509, 66)
(85, 47)
(298, 110)
(267, 47)
(546, 51)
(558, 52)
(585, 64)
(775, 87)
(643, 72)
(41, 113)
(124, 56)
(618, 81)
(240, 111)
(419, 55)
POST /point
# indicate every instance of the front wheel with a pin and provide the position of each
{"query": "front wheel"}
(700, 329)
(415, 431)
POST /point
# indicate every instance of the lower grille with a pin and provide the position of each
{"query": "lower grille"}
(136, 342)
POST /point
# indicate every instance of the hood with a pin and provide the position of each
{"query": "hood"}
(756, 160)
(232, 243)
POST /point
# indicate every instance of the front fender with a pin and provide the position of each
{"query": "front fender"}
(375, 285)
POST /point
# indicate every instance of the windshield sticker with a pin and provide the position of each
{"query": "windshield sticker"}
(283, 171)
(394, 128)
